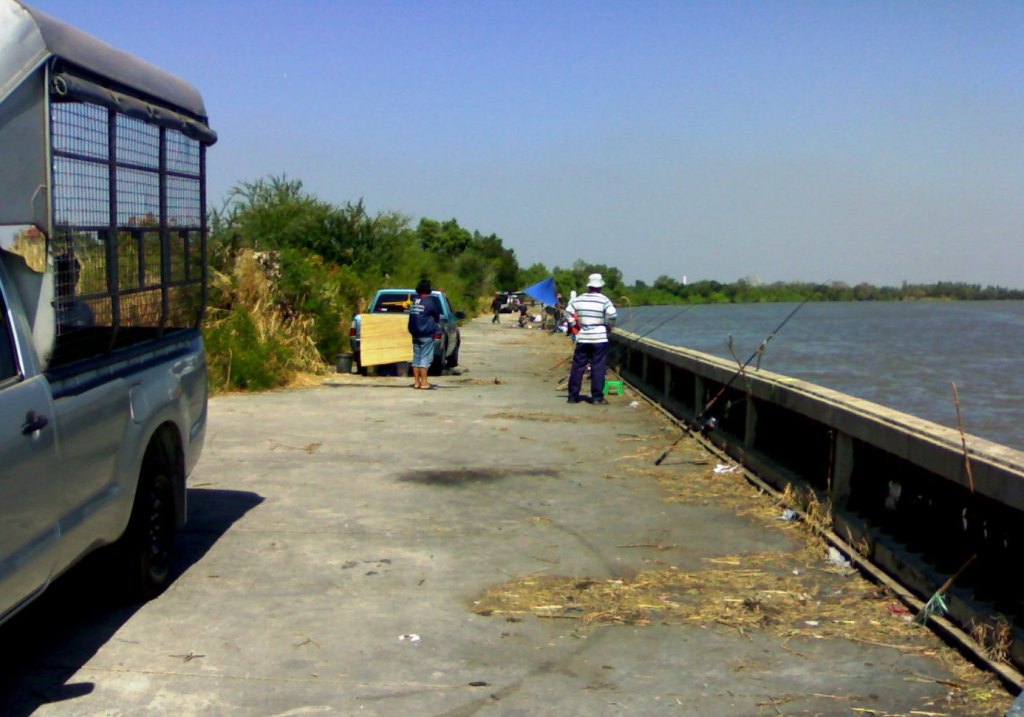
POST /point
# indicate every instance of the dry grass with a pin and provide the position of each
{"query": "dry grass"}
(249, 286)
(32, 248)
(995, 638)
(795, 595)
(789, 594)
(528, 416)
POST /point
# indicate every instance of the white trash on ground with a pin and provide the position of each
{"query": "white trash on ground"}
(836, 558)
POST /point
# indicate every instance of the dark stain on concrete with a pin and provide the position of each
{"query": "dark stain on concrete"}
(467, 476)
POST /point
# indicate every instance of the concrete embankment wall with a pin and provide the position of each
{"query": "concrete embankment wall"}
(898, 486)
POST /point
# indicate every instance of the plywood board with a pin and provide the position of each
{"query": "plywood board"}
(384, 338)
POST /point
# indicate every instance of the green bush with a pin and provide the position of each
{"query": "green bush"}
(240, 358)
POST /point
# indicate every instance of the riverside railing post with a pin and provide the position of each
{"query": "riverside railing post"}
(750, 424)
(698, 393)
(842, 470)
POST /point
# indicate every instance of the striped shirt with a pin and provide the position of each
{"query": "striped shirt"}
(594, 312)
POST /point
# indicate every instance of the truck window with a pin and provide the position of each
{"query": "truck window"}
(393, 303)
(8, 368)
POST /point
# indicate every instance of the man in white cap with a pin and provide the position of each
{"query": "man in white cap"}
(594, 313)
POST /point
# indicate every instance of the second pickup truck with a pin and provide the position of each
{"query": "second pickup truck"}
(397, 301)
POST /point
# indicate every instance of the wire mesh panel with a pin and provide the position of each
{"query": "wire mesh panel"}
(129, 214)
(81, 129)
(82, 196)
(177, 256)
(138, 198)
(129, 260)
(138, 143)
(183, 155)
(151, 258)
(183, 208)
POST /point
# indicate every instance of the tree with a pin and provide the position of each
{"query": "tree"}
(503, 261)
(444, 238)
(529, 276)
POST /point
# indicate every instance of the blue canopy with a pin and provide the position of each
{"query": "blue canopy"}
(543, 291)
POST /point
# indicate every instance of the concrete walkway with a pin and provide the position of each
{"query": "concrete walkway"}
(362, 548)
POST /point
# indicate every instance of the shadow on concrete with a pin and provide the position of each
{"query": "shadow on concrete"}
(466, 476)
(54, 637)
(371, 384)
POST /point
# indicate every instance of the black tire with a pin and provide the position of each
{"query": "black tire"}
(144, 551)
(437, 365)
(453, 360)
(360, 369)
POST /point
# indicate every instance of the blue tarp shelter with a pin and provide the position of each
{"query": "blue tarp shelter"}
(543, 291)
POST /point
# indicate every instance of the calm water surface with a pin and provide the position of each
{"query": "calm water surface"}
(904, 355)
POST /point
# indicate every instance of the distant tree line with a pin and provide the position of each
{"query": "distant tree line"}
(666, 290)
(289, 270)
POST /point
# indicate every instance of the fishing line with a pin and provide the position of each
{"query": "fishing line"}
(641, 337)
(672, 315)
(703, 426)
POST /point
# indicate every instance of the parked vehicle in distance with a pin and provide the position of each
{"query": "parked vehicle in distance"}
(513, 300)
(509, 301)
(447, 340)
(103, 385)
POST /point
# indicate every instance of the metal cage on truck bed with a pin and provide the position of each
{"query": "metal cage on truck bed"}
(104, 176)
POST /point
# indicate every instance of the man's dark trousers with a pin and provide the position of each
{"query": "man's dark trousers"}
(597, 356)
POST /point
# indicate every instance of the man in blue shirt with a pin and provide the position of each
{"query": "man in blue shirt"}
(424, 315)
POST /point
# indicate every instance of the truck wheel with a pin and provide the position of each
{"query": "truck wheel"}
(360, 369)
(437, 365)
(144, 550)
(453, 360)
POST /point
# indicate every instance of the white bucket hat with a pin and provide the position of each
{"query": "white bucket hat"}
(595, 280)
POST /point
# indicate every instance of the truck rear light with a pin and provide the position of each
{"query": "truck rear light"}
(437, 336)
(352, 332)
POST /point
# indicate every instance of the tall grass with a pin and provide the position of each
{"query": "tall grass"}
(251, 341)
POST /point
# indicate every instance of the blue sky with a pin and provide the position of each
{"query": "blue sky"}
(853, 141)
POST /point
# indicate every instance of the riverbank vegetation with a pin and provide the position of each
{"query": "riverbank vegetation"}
(666, 290)
(288, 271)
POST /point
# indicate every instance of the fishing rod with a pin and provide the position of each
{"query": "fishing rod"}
(658, 325)
(672, 315)
(703, 426)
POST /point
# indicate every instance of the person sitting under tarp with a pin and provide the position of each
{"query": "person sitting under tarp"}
(523, 317)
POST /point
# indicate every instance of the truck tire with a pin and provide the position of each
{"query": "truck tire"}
(437, 365)
(360, 369)
(453, 360)
(143, 553)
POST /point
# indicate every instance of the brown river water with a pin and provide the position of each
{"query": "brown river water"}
(903, 355)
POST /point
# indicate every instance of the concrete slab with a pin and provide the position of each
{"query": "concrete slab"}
(340, 537)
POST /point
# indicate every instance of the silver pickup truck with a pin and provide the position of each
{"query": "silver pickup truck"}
(102, 286)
